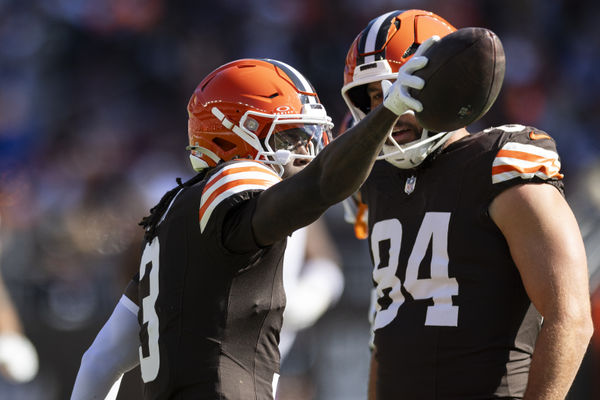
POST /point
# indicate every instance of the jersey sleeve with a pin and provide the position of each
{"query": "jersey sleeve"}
(131, 292)
(229, 183)
(526, 156)
(228, 201)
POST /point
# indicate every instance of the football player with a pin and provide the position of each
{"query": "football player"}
(209, 294)
(479, 267)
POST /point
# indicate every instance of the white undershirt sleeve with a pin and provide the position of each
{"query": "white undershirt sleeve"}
(113, 352)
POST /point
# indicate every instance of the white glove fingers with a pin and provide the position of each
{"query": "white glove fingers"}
(409, 101)
(414, 64)
(385, 87)
(414, 104)
(426, 45)
(413, 82)
(396, 96)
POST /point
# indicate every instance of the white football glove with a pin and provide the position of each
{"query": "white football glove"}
(18, 358)
(396, 96)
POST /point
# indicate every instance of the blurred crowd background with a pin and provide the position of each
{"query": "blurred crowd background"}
(93, 127)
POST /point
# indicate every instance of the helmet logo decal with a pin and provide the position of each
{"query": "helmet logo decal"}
(283, 109)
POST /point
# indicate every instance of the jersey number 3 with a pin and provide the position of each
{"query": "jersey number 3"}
(439, 287)
(149, 354)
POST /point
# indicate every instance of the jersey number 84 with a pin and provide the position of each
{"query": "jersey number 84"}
(440, 287)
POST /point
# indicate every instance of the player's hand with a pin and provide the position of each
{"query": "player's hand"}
(18, 358)
(396, 96)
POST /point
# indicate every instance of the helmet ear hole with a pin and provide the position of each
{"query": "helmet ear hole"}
(224, 144)
(359, 97)
(412, 49)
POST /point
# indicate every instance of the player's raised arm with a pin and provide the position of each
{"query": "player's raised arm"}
(332, 176)
(341, 168)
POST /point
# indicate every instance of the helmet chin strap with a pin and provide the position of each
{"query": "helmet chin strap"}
(412, 154)
(284, 157)
(197, 163)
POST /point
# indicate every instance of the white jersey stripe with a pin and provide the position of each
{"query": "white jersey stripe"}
(530, 148)
(217, 200)
(551, 163)
(242, 164)
(505, 176)
(234, 177)
(530, 161)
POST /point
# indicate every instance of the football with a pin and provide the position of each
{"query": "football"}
(463, 77)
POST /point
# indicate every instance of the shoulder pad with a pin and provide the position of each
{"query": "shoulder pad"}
(234, 178)
(525, 152)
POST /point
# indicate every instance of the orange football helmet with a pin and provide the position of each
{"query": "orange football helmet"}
(382, 48)
(377, 54)
(257, 109)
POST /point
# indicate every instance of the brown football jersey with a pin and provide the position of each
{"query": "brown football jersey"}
(210, 317)
(452, 318)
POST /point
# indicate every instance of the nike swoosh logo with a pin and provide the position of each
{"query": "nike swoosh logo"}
(537, 136)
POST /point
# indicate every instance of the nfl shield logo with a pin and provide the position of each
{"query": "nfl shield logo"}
(410, 184)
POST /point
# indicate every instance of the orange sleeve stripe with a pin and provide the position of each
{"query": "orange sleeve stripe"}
(548, 171)
(233, 170)
(229, 185)
(521, 155)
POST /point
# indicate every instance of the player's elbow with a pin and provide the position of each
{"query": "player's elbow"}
(101, 358)
(586, 328)
(92, 357)
(334, 189)
(582, 316)
(582, 331)
(577, 319)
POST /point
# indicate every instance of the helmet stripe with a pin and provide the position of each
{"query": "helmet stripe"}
(384, 31)
(362, 43)
(297, 78)
(377, 30)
